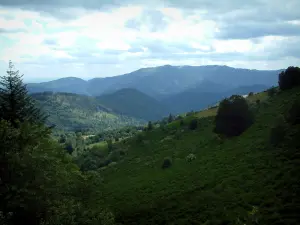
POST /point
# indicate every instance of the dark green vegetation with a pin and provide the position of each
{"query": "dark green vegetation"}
(72, 112)
(134, 103)
(39, 183)
(175, 171)
(178, 175)
(234, 116)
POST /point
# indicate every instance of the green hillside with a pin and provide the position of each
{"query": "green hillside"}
(211, 179)
(71, 112)
(132, 102)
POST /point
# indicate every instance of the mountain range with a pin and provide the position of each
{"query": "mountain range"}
(152, 93)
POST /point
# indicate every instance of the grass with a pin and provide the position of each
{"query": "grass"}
(228, 179)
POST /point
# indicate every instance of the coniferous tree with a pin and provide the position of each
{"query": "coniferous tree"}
(15, 103)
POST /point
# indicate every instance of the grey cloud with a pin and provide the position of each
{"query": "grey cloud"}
(246, 30)
(50, 42)
(154, 19)
(3, 30)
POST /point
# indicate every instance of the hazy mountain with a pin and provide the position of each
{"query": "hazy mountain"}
(134, 103)
(206, 94)
(67, 85)
(75, 112)
(162, 82)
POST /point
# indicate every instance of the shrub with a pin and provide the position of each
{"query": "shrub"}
(251, 94)
(257, 101)
(181, 122)
(167, 163)
(271, 91)
(193, 124)
(190, 157)
(289, 78)
(277, 133)
(233, 117)
(293, 115)
(150, 126)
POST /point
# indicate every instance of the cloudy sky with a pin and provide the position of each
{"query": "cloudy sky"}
(48, 39)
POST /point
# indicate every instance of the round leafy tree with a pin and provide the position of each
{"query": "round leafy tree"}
(233, 117)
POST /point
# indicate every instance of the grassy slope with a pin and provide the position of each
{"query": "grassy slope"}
(71, 111)
(220, 186)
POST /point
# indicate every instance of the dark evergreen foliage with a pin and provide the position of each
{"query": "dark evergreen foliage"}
(289, 78)
(293, 115)
(233, 116)
(193, 124)
(15, 103)
(166, 163)
(150, 126)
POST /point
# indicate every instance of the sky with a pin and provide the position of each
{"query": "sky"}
(50, 39)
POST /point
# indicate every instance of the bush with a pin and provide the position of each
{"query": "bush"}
(257, 101)
(190, 157)
(293, 115)
(167, 163)
(251, 94)
(289, 78)
(271, 91)
(277, 133)
(181, 123)
(193, 124)
(233, 117)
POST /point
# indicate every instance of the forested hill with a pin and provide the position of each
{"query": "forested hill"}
(135, 103)
(161, 81)
(71, 112)
(233, 164)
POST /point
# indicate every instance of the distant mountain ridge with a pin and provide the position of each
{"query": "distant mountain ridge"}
(161, 82)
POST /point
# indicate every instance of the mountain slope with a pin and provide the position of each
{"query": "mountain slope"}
(161, 82)
(132, 102)
(242, 180)
(77, 112)
(206, 94)
(68, 85)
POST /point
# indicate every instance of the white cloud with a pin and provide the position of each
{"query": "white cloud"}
(87, 41)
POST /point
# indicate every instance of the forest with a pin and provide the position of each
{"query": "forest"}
(233, 163)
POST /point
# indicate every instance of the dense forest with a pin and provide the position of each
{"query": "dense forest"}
(235, 163)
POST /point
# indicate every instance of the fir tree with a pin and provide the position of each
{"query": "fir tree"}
(15, 103)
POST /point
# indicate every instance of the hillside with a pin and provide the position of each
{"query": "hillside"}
(71, 112)
(239, 180)
(134, 103)
(205, 94)
(161, 82)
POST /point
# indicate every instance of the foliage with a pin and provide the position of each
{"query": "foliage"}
(244, 180)
(293, 115)
(289, 78)
(170, 118)
(166, 163)
(193, 124)
(272, 91)
(15, 103)
(150, 126)
(39, 183)
(72, 112)
(134, 103)
(190, 157)
(278, 132)
(233, 116)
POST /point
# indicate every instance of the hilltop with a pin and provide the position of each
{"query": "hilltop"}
(161, 82)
